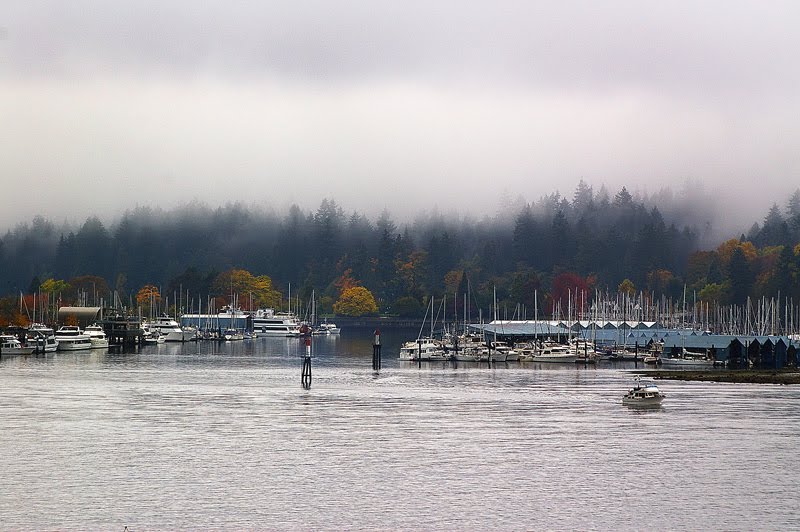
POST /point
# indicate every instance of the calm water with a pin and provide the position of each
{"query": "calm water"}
(224, 437)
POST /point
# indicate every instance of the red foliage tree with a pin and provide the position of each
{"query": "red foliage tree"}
(570, 285)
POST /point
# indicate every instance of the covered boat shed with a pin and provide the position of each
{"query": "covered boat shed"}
(739, 351)
(80, 316)
(520, 331)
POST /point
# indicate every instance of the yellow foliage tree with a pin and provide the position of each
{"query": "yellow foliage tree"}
(246, 286)
(52, 286)
(264, 294)
(355, 301)
(627, 287)
(726, 249)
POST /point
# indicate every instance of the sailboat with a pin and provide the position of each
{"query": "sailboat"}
(423, 348)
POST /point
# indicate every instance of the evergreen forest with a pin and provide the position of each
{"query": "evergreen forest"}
(530, 254)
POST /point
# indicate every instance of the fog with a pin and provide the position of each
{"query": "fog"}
(407, 106)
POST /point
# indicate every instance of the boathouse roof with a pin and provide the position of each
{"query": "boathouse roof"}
(84, 315)
(521, 328)
(718, 341)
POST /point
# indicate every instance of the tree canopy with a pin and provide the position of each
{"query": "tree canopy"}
(603, 240)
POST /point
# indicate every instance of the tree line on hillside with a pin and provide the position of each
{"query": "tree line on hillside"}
(532, 254)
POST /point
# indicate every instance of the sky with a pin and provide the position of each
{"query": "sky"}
(404, 106)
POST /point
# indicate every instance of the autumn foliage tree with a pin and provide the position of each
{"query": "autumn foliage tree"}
(355, 301)
(148, 297)
(570, 285)
(246, 287)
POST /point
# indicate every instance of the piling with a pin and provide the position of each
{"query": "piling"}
(305, 378)
(376, 351)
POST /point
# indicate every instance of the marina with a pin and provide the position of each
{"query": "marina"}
(222, 435)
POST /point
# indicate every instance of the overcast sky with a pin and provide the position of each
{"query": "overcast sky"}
(405, 105)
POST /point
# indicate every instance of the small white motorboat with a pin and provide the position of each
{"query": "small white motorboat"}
(97, 336)
(10, 345)
(643, 393)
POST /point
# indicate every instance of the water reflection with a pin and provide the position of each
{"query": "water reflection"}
(223, 436)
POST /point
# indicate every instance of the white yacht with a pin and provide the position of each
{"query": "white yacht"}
(169, 329)
(502, 352)
(232, 335)
(43, 337)
(326, 328)
(643, 393)
(9, 345)
(466, 348)
(71, 338)
(152, 336)
(422, 349)
(552, 352)
(97, 336)
(267, 322)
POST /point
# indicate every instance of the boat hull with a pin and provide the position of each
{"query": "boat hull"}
(66, 345)
(16, 351)
(653, 402)
(283, 333)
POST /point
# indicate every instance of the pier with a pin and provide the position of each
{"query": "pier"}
(124, 331)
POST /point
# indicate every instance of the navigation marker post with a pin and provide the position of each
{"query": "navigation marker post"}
(376, 351)
(306, 376)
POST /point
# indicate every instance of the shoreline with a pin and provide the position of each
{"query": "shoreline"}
(787, 376)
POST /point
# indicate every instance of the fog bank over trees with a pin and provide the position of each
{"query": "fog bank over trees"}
(657, 243)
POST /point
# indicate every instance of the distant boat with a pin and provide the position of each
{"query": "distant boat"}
(423, 349)
(72, 338)
(267, 322)
(327, 328)
(554, 353)
(230, 335)
(10, 345)
(170, 329)
(43, 336)
(643, 393)
(97, 336)
(152, 336)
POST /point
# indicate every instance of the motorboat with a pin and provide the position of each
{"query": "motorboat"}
(152, 336)
(267, 322)
(584, 350)
(423, 349)
(498, 351)
(326, 328)
(10, 345)
(97, 336)
(230, 335)
(554, 353)
(72, 338)
(43, 337)
(643, 393)
(464, 347)
(170, 329)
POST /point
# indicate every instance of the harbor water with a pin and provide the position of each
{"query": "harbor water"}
(223, 436)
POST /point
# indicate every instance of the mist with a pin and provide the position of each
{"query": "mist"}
(412, 108)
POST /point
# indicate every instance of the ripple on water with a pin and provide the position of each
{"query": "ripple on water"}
(185, 437)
